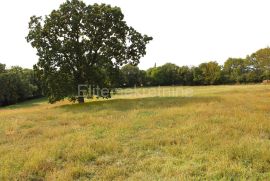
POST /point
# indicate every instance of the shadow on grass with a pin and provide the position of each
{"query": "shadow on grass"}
(26, 104)
(137, 103)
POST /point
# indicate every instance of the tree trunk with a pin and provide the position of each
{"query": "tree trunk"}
(81, 100)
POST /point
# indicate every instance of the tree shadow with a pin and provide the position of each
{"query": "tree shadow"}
(136, 103)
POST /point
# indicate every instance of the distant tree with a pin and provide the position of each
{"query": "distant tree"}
(130, 75)
(143, 79)
(168, 74)
(259, 64)
(2, 68)
(83, 44)
(185, 76)
(17, 84)
(211, 73)
(197, 76)
(253, 72)
(10, 93)
(152, 76)
(235, 70)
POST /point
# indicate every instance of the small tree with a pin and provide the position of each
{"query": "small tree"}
(83, 44)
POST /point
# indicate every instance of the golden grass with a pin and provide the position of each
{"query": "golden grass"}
(221, 132)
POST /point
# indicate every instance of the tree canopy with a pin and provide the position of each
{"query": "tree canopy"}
(83, 44)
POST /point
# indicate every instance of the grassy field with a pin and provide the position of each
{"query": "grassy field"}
(169, 133)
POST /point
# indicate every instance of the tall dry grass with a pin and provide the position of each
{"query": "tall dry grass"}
(215, 132)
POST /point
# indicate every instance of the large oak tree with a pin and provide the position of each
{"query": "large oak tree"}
(83, 44)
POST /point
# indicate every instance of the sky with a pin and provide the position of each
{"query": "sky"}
(185, 32)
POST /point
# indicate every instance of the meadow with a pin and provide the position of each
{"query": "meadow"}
(167, 133)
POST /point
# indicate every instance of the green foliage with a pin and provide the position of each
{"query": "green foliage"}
(197, 76)
(259, 63)
(168, 74)
(83, 44)
(235, 70)
(2, 68)
(185, 76)
(131, 75)
(17, 84)
(211, 73)
(253, 69)
(171, 74)
(152, 75)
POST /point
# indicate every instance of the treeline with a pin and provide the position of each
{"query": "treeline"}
(18, 84)
(253, 69)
